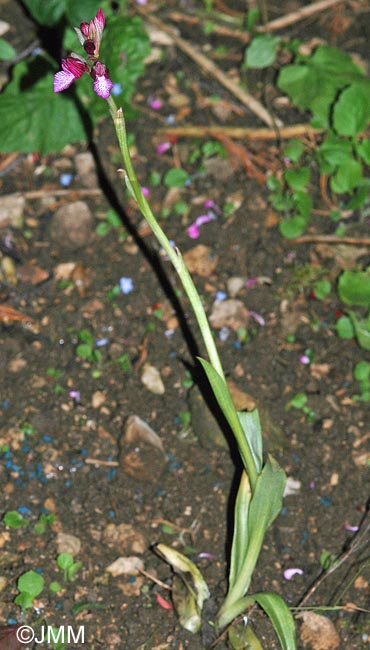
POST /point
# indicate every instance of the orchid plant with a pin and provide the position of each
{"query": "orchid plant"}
(259, 496)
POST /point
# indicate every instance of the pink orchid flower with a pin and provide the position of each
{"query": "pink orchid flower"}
(73, 67)
(90, 35)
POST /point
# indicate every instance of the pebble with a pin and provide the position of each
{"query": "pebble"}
(72, 225)
(230, 313)
(11, 210)
(98, 399)
(152, 380)
(201, 260)
(130, 566)
(67, 543)
(125, 538)
(85, 166)
(141, 451)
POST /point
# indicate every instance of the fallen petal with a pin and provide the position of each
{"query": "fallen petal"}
(289, 573)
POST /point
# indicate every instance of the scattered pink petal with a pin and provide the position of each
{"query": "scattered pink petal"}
(193, 231)
(251, 282)
(312, 485)
(163, 147)
(204, 218)
(207, 556)
(304, 359)
(352, 529)
(258, 318)
(155, 104)
(145, 191)
(163, 602)
(289, 573)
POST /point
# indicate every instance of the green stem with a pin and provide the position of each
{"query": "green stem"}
(173, 253)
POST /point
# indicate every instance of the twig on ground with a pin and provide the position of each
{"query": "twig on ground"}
(330, 239)
(102, 463)
(300, 14)
(222, 30)
(239, 133)
(210, 68)
(47, 191)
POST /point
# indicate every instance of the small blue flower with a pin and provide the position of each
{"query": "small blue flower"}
(65, 179)
(126, 285)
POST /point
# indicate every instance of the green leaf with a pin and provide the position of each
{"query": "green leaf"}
(7, 51)
(362, 330)
(175, 178)
(31, 583)
(354, 287)
(314, 84)
(14, 519)
(347, 176)
(239, 547)
(294, 150)
(322, 289)
(82, 10)
(191, 592)
(242, 637)
(363, 150)
(333, 152)
(293, 227)
(85, 351)
(24, 600)
(262, 51)
(298, 401)
(267, 499)
(351, 111)
(38, 120)
(251, 426)
(226, 404)
(344, 328)
(297, 179)
(46, 13)
(362, 371)
(302, 202)
(281, 618)
(64, 561)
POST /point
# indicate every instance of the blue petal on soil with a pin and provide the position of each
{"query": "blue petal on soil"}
(23, 510)
(5, 404)
(326, 501)
(221, 295)
(126, 285)
(48, 439)
(65, 179)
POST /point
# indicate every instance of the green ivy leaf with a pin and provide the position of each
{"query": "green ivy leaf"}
(262, 51)
(347, 176)
(46, 13)
(38, 120)
(352, 110)
(297, 179)
(354, 287)
(344, 328)
(293, 227)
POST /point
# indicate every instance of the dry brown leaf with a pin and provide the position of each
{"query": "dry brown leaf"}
(319, 632)
(10, 315)
(32, 274)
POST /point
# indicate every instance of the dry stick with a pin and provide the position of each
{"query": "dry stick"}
(209, 67)
(300, 14)
(330, 239)
(239, 133)
(39, 194)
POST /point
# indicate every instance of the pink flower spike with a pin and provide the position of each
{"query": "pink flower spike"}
(72, 68)
(193, 231)
(289, 573)
(90, 35)
(102, 84)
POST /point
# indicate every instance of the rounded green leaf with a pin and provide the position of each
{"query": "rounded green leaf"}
(31, 583)
(175, 178)
(354, 288)
(262, 51)
(7, 51)
(347, 177)
(293, 227)
(13, 519)
(352, 111)
(344, 328)
(297, 179)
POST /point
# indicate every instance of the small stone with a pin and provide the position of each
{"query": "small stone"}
(229, 313)
(67, 543)
(17, 364)
(130, 566)
(98, 399)
(319, 631)
(142, 454)
(125, 538)
(85, 166)
(11, 210)
(201, 260)
(152, 379)
(234, 285)
(72, 225)
(292, 487)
